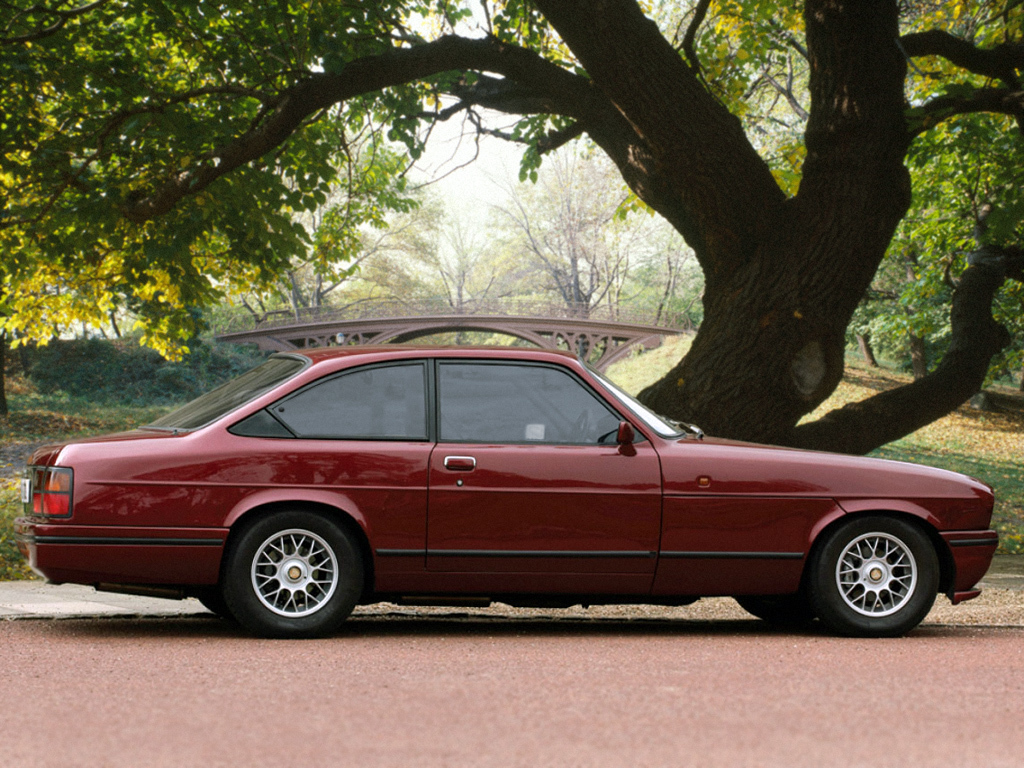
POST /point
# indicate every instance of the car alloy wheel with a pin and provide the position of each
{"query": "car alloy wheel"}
(874, 576)
(292, 574)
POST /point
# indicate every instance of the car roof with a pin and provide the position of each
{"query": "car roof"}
(399, 351)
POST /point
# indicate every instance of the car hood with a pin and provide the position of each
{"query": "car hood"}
(733, 467)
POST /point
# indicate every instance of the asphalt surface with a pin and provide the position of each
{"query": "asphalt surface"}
(93, 679)
(184, 691)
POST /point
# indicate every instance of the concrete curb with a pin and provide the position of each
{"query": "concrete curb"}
(39, 600)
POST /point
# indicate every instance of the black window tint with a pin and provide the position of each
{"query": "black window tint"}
(260, 424)
(377, 402)
(483, 403)
(227, 397)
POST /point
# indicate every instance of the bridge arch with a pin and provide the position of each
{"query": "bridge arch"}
(601, 342)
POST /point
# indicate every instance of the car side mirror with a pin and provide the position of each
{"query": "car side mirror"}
(625, 435)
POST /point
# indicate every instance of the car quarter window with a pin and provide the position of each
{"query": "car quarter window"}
(378, 402)
(503, 403)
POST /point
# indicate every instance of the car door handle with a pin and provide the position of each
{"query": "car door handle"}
(460, 463)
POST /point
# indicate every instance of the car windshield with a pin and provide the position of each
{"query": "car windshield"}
(225, 398)
(638, 409)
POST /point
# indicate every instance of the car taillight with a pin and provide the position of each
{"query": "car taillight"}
(51, 491)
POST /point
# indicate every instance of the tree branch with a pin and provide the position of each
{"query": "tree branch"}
(62, 18)
(1000, 62)
(699, 13)
(998, 100)
(697, 153)
(564, 91)
(976, 337)
(786, 91)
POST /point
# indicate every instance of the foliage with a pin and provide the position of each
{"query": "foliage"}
(12, 564)
(136, 96)
(586, 242)
(158, 156)
(123, 373)
(969, 189)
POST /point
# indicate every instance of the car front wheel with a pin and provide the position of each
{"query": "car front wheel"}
(293, 574)
(874, 577)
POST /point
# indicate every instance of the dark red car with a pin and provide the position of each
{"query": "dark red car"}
(333, 477)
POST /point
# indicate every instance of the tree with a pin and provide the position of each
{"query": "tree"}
(433, 256)
(350, 227)
(565, 229)
(163, 128)
(591, 244)
(966, 189)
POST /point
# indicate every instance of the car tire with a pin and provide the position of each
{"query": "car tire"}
(874, 577)
(293, 574)
(212, 599)
(782, 611)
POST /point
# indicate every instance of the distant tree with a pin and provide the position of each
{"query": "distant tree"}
(571, 232)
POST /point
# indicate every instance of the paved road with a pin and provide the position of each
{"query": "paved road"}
(152, 682)
(394, 691)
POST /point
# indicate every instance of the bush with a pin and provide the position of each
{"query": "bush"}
(123, 373)
(12, 564)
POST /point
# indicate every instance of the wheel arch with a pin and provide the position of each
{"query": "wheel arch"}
(347, 521)
(947, 566)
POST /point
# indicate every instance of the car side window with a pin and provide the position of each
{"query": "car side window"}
(378, 402)
(503, 403)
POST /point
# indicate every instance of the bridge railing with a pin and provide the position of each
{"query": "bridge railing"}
(245, 320)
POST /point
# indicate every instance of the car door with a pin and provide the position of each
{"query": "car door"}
(361, 444)
(528, 478)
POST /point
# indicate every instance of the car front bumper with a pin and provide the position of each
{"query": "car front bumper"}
(972, 553)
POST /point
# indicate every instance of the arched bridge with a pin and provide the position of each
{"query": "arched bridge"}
(599, 337)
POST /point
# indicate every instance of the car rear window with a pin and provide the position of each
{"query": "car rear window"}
(225, 398)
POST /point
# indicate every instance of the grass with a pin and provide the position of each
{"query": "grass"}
(988, 446)
(637, 371)
(12, 564)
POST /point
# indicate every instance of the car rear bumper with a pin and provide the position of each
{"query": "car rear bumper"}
(120, 554)
(972, 553)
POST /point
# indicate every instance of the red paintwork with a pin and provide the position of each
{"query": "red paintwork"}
(622, 505)
(535, 499)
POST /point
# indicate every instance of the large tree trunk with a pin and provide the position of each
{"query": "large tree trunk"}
(783, 276)
(784, 279)
(976, 338)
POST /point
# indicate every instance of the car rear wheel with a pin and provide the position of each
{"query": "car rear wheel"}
(293, 574)
(783, 611)
(874, 577)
